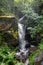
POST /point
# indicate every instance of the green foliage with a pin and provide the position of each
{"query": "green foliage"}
(32, 9)
(41, 45)
(33, 55)
(6, 6)
(7, 56)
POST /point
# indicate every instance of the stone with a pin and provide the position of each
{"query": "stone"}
(33, 48)
(38, 59)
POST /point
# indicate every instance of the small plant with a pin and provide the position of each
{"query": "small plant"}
(41, 45)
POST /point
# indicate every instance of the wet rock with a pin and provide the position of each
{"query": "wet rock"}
(23, 56)
(39, 59)
(33, 48)
(41, 63)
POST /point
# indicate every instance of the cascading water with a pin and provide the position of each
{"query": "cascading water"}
(23, 54)
(21, 31)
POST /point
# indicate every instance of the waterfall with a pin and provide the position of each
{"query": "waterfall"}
(22, 42)
(21, 33)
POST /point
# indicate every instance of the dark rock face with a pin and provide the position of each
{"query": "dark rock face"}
(28, 38)
(39, 59)
(36, 40)
(6, 23)
(10, 40)
(41, 63)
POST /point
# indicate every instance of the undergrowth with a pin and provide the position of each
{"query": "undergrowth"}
(35, 53)
(8, 56)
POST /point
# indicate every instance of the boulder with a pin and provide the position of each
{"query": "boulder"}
(39, 59)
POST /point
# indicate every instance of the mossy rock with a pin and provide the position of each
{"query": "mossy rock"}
(6, 22)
